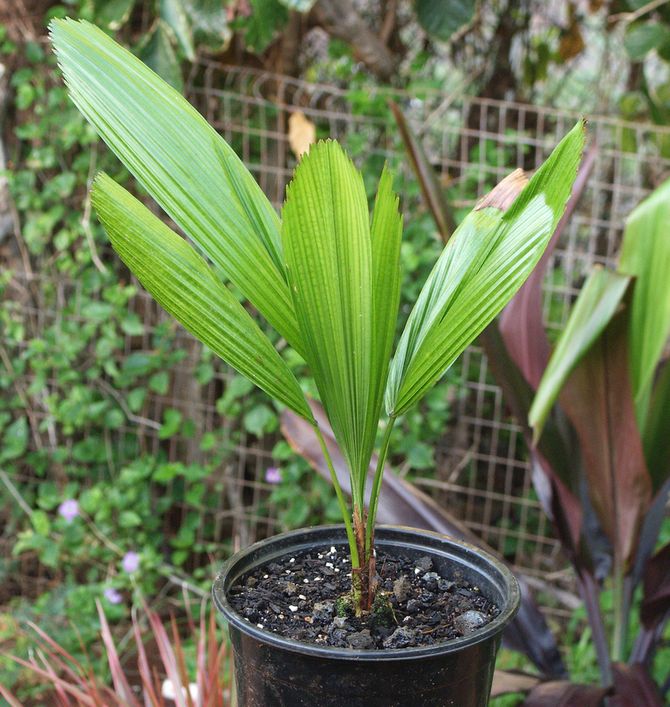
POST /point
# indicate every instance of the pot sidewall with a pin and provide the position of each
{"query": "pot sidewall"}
(273, 670)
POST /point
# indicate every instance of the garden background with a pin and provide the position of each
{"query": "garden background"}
(132, 462)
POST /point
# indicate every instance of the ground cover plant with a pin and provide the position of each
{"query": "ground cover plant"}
(325, 277)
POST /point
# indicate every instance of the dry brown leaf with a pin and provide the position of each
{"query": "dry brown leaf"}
(508, 681)
(572, 42)
(301, 133)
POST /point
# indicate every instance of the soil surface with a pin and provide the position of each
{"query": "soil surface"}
(304, 597)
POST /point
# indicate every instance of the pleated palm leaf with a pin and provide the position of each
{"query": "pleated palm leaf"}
(325, 276)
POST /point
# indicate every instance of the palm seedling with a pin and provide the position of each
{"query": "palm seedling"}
(325, 276)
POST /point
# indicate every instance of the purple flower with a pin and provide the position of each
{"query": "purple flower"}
(113, 596)
(273, 475)
(130, 562)
(69, 510)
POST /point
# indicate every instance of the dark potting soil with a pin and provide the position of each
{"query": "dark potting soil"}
(304, 598)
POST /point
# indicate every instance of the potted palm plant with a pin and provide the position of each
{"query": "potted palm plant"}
(354, 614)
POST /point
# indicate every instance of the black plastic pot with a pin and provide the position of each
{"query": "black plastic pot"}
(274, 671)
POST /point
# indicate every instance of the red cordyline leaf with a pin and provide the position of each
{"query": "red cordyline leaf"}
(123, 689)
(168, 658)
(11, 700)
(149, 688)
(633, 687)
(57, 683)
(217, 657)
(69, 664)
(566, 694)
(181, 663)
(61, 685)
(72, 684)
(656, 438)
(552, 460)
(65, 674)
(599, 402)
(656, 597)
(201, 656)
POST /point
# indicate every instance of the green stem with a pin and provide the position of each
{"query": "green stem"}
(346, 515)
(376, 486)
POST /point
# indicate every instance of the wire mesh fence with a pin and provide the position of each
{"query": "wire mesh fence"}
(482, 474)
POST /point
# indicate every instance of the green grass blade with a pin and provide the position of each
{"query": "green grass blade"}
(327, 245)
(485, 262)
(645, 254)
(184, 285)
(169, 147)
(597, 303)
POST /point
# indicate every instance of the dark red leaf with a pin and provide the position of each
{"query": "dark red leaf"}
(651, 526)
(554, 471)
(656, 436)
(633, 687)
(529, 634)
(121, 686)
(566, 694)
(599, 402)
(656, 597)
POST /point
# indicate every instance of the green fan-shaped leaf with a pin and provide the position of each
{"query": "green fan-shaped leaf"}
(485, 262)
(169, 147)
(183, 284)
(386, 236)
(326, 240)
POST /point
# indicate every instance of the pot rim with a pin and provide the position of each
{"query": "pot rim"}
(490, 564)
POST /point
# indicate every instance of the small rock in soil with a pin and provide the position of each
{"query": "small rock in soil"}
(430, 579)
(360, 639)
(323, 610)
(424, 563)
(401, 589)
(470, 621)
(413, 606)
(400, 638)
(444, 585)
